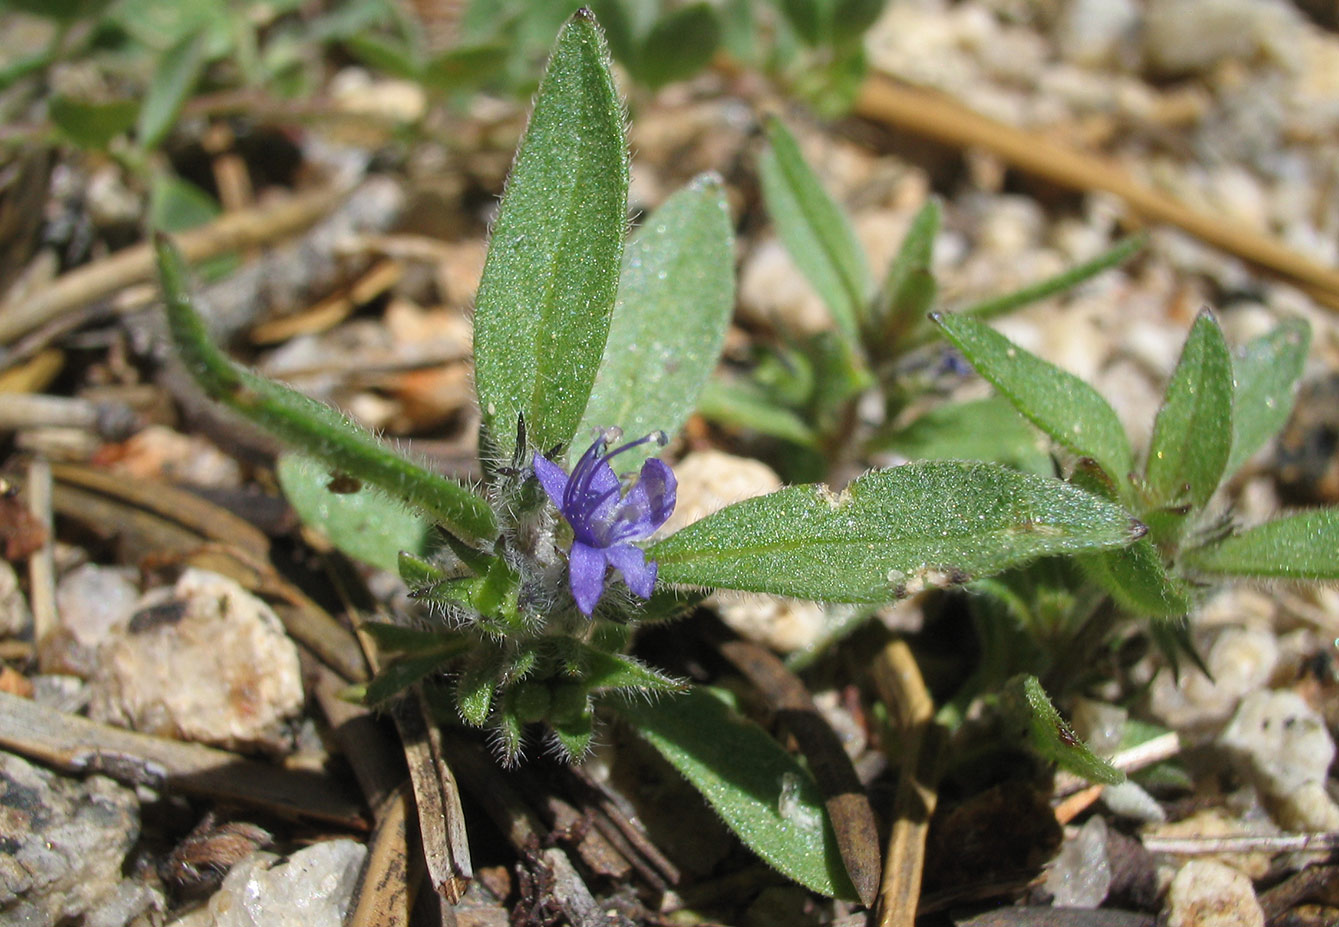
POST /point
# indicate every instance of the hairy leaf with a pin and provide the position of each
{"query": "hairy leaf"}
(674, 303)
(312, 427)
(1301, 546)
(758, 789)
(1136, 578)
(815, 231)
(1069, 410)
(366, 524)
(1026, 703)
(890, 533)
(549, 281)
(1266, 373)
(1192, 436)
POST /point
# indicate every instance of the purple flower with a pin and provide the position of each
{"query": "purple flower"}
(604, 521)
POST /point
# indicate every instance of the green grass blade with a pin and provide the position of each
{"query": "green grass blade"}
(815, 231)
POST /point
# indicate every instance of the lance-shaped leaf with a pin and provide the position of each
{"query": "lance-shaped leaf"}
(890, 533)
(761, 792)
(312, 427)
(681, 43)
(365, 523)
(674, 302)
(909, 287)
(1069, 410)
(1266, 373)
(549, 281)
(178, 71)
(815, 231)
(1301, 546)
(1136, 578)
(1192, 436)
(1025, 703)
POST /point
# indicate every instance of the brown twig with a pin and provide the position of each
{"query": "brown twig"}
(135, 264)
(391, 876)
(42, 564)
(78, 745)
(441, 819)
(1140, 756)
(844, 797)
(903, 690)
(939, 117)
(1251, 843)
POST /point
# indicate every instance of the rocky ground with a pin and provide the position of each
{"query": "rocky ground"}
(173, 642)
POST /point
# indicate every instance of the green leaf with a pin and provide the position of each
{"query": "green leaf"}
(368, 525)
(390, 55)
(812, 20)
(1266, 373)
(1069, 410)
(761, 792)
(461, 68)
(890, 533)
(397, 638)
(739, 406)
(674, 303)
(604, 671)
(1301, 546)
(850, 18)
(310, 426)
(815, 231)
(404, 671)
(179, 69)
(909, 288)
(679, 45)
(980, 429)
(1025, 702)
(91, 125)
(176, 204)
(1192, 436)
(1136, 578)
(549, 281)
(62, 10)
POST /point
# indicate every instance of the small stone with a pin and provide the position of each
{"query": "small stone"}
(1209, 894)
(1191, 36)
(14, 614)
(1100, 724)
(92, 600)
(1129, 800)
(711, 480)
(1240, 661)
(309, 888)
(1093, 32)
(1284, 745)
(211, 664)
(64, 843)
(1080, 876)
